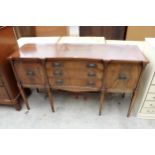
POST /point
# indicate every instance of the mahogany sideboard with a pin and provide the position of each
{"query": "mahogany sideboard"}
(9, 92)
(79, 68)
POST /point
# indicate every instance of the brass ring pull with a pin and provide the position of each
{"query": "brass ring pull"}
(122, 77)
(59, 82)
(91, 74)
(91, 65)
(58, 73)
(90, 83)
(56, 64)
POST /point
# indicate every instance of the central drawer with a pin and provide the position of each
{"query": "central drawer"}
(122, 76)
(74, 65)
(70, 82)
(78, 73)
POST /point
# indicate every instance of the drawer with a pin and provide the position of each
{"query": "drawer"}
(74, 65)
(3, 94)
(30, 73)
(148, 110)
(149, 104)
(152, 89)
(150, 97)
(73, 73)
(122, 76)
(69, 82)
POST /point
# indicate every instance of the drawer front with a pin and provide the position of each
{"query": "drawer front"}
(122, 76)
(150, 97)
(75, 82)
(152, 89)
(149, 104)
(74, 65)
(30, 73)
(79, 74)
(148, 110)
(3, 94)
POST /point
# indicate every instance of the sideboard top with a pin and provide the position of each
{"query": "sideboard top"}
(95, 51)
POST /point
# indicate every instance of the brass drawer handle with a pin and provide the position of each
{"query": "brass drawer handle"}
(59, 82)
(30, 73)
(122, 77)
(91, 74)
(57, 73)
(56, 64)
(91, 65)
(90, 83)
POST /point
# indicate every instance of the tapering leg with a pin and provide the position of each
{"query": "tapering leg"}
(123, 95)
(17, 106)
(132, 103)
(51, 100)
(101, 102)
(24, 96)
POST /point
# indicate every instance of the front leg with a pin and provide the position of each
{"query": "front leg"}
(101, 102)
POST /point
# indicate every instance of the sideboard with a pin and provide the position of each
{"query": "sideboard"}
(79, 68)
(9, 92)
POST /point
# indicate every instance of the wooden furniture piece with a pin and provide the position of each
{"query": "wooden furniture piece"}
(9, 92)
(109, 32)
(79, 68)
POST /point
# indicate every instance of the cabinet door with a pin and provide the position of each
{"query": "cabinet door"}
(30, 73)
(109, 32)
(122, 76)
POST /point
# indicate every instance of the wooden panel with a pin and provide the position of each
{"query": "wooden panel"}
(3, 94)
(122, 76)
(109, 32)
(8, 42)
(51, 31)
(140, 32)
(30, 72)
(74, 51)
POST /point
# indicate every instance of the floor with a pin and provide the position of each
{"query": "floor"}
(72, 113)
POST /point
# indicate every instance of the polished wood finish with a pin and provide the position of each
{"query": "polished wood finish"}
(9, 92)
(122, 76)
(109, 32)
(80, 68)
